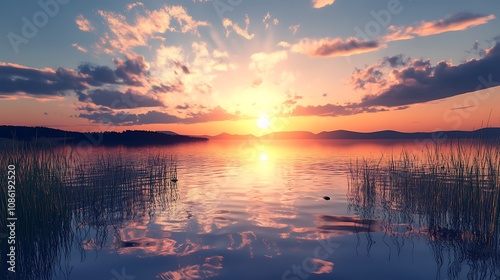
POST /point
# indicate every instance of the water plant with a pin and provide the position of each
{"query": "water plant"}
(62, 200)
(448, 193)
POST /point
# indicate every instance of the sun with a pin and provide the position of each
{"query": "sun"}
(263, 122)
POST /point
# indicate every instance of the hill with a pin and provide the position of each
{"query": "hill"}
(126, 138)
(484, 133)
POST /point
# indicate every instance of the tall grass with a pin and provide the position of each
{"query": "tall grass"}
(449, 193)
(60, 199)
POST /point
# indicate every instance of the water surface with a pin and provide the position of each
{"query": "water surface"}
(246, 210)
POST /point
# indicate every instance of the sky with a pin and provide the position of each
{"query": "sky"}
(203, 67)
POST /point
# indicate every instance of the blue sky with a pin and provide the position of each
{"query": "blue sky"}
(211, 66)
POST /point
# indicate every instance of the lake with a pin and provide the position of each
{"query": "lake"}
(256, 210)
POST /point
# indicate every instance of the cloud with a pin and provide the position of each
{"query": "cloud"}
(182, 107)
(265, 62)
(294, 28)
(98, 75)
(453, 22)
(133, 5)
(125, 34)
(257, 82)
(88, 79)
(80, 48)
(400, 82)
(318, 4)
(84, 24)
(419, 81)
(373, 74)
(18, 80)
(230, 26)
(284, 44)
(120, 118)
(194, 72)
(131, 70)
(267, 20)
(334, 47)
(212, 115)
(115, 99)
(158, 117)
(332, 110)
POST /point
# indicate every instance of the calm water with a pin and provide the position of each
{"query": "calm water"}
(243, 212)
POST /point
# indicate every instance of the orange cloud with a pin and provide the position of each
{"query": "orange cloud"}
(229, 25)
(327, 47)
(124, 36)
(133, 5)
(318, 4)
(84, 24)
(80, 48)
(454, 22)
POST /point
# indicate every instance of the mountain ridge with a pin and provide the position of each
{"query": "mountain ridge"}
(489, 132)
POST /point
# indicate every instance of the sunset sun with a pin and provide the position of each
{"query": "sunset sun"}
(263, 122)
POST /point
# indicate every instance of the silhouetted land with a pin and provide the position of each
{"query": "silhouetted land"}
(484, 133)
(126, 138)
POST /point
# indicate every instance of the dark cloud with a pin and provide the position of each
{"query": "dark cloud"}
(183, 67)
(132, 70)
(396, 60)
(347, 47)
(16, 79)
(163, 88)
(335, 47)
(157, 117)
(415, 84)
(121, 100)
(119, 118)
(89, 108)
(332, 110)
(416, 81)
(180, 107)
(98, 74)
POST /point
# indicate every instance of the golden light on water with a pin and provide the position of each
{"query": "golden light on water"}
(263, 157)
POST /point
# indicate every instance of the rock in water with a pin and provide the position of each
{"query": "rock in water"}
(326, 197)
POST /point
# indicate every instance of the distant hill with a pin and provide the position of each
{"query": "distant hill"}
(126, 138)
(485, 133)
(227, 136)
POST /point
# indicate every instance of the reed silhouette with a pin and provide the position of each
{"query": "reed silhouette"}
(449, 194)
(63, 202)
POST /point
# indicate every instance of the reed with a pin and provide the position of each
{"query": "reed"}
(63, 200)
(449, 193)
